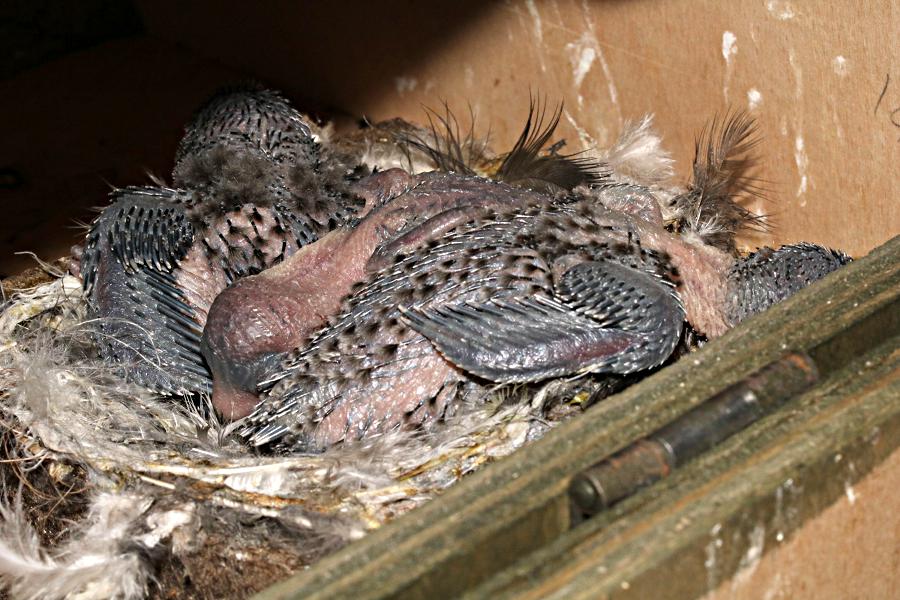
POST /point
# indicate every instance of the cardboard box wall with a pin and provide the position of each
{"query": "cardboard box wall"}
(823, 79)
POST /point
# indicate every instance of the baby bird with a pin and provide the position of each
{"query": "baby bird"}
(531, 292)
(252, 187)
(254, 322)
(539, 286)
(258, 319)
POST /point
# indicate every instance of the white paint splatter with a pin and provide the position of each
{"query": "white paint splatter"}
(800, 156)
(729, 45)
(781, 9)
(582, 54)
(757, 544)
(607, 73)
(583, 136)
(750, 560)
(610, 85)
(470, 76)
(712, 550)
(538, 31)
(802, 160)
(836, 118)
(850, 492)
(712, 579)
(405, 84)
(839, 64)
(754, 98)
(729, 50)
(798, 74)
(536, 17)
(585, 59)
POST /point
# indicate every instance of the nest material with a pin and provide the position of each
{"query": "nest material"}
(155, 489)
(112, 492)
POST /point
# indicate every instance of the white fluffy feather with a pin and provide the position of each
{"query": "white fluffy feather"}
(638, 155)
(95, 564)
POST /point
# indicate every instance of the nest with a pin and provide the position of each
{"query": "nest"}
(118, 493)
(113, 492)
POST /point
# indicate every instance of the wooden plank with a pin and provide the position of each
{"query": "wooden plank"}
(681, 538)
(451, 544)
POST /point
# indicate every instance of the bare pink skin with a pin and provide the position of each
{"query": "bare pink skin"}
(371, 371)
(702, 270)
(399, 397)
(703, 284)
(299, 295)
(279, 308)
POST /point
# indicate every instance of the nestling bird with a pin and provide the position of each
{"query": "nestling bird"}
(255, 321)
(458, 297)
(252, 187)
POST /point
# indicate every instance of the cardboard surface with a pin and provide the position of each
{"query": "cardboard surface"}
(78, 126)
(823, 79)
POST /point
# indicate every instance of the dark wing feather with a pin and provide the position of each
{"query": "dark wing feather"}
(144, 226)
(448, 148)
(530, 164)
(768, 276)
(130, 267)
(145, 324)
(607, 318)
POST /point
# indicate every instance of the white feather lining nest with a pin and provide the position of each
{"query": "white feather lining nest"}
(160, 499)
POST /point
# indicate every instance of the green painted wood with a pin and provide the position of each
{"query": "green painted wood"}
(517, 505)
(685, 535)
